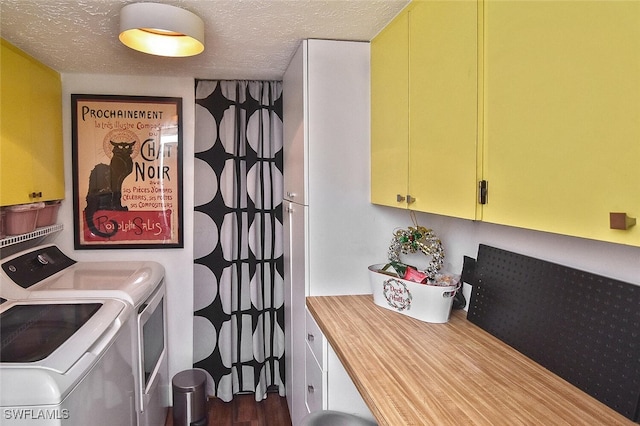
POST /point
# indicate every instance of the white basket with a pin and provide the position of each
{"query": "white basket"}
(429, 303)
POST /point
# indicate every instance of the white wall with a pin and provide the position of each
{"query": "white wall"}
(177, 262)
(461, 237)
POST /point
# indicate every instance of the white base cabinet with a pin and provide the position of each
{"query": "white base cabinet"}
(315, 379)
(328, 384)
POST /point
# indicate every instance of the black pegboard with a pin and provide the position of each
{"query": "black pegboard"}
(583, 327)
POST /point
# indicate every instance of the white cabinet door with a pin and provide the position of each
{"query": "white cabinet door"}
(314, 384)
(294, 218)
(295, 139)
(315, 340)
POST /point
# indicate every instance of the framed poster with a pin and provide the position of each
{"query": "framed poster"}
(127, 171)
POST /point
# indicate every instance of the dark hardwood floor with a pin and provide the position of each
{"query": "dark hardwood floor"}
(245, 411)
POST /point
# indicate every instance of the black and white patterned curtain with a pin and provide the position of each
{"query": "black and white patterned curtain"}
(238, 248)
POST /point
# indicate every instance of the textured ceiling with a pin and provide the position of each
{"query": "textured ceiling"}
(244, 39)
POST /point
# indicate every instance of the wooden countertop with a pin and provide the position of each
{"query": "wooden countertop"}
(415, 373)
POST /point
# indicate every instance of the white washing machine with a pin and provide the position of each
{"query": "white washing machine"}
(46, 273)
(66, 363)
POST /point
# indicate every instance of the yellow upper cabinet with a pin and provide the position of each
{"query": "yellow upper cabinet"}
(390, 113)
(562, 115)
(424, 109)
(31, 155)
(552, 89)
(443, 107)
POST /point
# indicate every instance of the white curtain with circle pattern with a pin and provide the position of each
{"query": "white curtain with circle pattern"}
(238, 247)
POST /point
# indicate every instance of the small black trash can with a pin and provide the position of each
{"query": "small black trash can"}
(334, 418)
(190, 398)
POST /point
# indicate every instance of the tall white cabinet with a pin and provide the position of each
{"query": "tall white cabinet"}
(327, 213)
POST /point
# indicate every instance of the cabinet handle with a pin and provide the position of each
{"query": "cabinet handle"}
(400, 198)
(483, 191)
(291, 195)
(410, 199)
(621, 221)
(310, 337)
(310, 389)
(35, 195)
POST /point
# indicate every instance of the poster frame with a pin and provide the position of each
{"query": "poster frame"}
(137, 114)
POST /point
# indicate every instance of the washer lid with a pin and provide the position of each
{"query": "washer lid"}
(47, 377)
(31, 333)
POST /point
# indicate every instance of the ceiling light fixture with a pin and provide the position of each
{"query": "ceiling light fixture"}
(161, 29)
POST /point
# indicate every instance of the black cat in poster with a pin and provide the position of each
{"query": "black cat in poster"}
(105, 185)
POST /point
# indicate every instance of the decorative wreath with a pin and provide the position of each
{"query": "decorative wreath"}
(418, 239)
